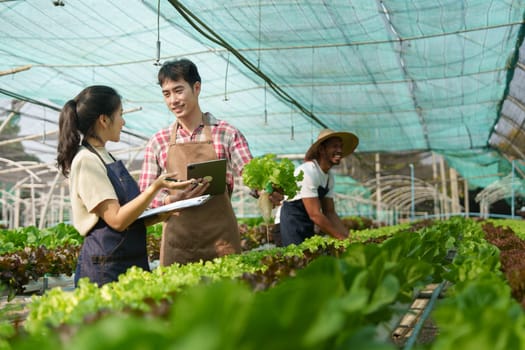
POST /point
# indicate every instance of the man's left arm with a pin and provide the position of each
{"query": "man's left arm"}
(319, 212)
(329, 211)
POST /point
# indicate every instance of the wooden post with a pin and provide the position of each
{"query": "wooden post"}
(454, 191)
(437, 204)
(4, 203)
(444, 186)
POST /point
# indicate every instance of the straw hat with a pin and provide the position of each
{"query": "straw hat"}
(350, 142)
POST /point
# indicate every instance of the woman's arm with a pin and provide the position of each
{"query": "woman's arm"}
(120, 217)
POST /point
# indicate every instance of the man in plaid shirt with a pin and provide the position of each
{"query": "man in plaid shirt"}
(228, 142)
(209, 230)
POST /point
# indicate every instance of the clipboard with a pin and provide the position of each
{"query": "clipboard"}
(175, 206)
(215, 168)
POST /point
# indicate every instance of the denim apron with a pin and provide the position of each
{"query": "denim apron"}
(295, 224)
(106, 253)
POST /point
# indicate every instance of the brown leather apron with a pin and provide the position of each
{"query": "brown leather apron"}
(204, 232)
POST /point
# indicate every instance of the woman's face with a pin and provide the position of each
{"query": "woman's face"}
(116, 125)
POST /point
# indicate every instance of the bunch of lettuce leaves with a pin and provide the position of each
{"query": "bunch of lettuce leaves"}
(269, 173)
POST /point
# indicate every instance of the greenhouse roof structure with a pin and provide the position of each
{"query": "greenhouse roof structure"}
(442, 76)
(402, 75)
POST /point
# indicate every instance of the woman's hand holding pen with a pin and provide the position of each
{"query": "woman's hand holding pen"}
(171, 182)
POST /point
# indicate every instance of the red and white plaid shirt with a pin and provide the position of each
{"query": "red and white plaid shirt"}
(228, 141)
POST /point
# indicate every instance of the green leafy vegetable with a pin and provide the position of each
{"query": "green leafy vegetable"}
(269, 174)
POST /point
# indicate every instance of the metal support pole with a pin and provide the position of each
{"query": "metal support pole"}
(412, 193)
(43, 211)
(378, 187)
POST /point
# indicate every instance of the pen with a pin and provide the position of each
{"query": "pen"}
(172, 179)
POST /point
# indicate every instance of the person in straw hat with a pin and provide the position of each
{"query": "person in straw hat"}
(314, 204)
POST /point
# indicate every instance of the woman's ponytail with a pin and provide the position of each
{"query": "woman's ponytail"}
(68, 137)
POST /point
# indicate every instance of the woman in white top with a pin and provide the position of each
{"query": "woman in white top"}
(105, 199)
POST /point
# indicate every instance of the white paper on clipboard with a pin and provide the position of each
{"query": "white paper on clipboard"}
(175, 206)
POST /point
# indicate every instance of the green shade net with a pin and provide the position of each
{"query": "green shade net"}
(420, 75)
